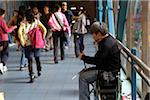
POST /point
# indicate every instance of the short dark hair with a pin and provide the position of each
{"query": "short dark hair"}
(99, 27)
(29, 16)
(56, 8)
(2, 11)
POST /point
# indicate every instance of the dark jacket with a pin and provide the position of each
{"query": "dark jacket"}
(44, 19)
(69, 15)
(107, 57)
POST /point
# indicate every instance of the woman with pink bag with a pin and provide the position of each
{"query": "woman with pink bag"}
(32, 34)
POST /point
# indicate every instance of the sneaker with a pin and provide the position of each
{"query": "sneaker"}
(56, 62)
(23, 67)
(66, 47)
(5, 68)
(62, 58)
(39, 73)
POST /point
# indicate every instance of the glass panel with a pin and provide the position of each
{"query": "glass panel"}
(139, 82)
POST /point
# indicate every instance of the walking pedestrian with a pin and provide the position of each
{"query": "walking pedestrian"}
(59, 24)
(69, 15)
(4, 41)
(32, 33)
(79, 30)
(44, 19)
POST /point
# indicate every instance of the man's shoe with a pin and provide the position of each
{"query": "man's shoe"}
(56, 62)
(62, 58)
(39, 73)
(32, 79)
(1, 71)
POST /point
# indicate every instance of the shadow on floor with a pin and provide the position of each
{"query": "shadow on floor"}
(15, 80)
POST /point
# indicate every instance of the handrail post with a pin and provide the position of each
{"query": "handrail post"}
(133, 76)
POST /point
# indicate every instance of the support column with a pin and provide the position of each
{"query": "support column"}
(130, 25)
(146, 39)
(129, 32)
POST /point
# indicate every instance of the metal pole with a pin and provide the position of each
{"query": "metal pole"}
(133, 75)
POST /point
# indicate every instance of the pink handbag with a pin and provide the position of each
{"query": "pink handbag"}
(37, 39)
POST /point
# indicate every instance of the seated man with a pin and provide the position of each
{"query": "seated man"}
(107, 58)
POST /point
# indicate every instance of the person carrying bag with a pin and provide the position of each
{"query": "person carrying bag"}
(36, 36)
(31, 34)
(64, 33)
(59, 25)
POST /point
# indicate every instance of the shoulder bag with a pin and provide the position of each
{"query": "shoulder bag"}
(61, 25)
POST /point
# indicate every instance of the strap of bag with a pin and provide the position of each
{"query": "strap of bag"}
(59, 21)
(61, 25)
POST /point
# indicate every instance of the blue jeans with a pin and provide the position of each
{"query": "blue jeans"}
(29, 53)
(85, 78)
(23, 60)
(79, 43)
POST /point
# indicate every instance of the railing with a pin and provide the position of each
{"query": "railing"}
(137, 66)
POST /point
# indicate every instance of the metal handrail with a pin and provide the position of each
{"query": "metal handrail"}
(138, 62)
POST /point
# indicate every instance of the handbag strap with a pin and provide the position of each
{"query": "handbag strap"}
(59, 21)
